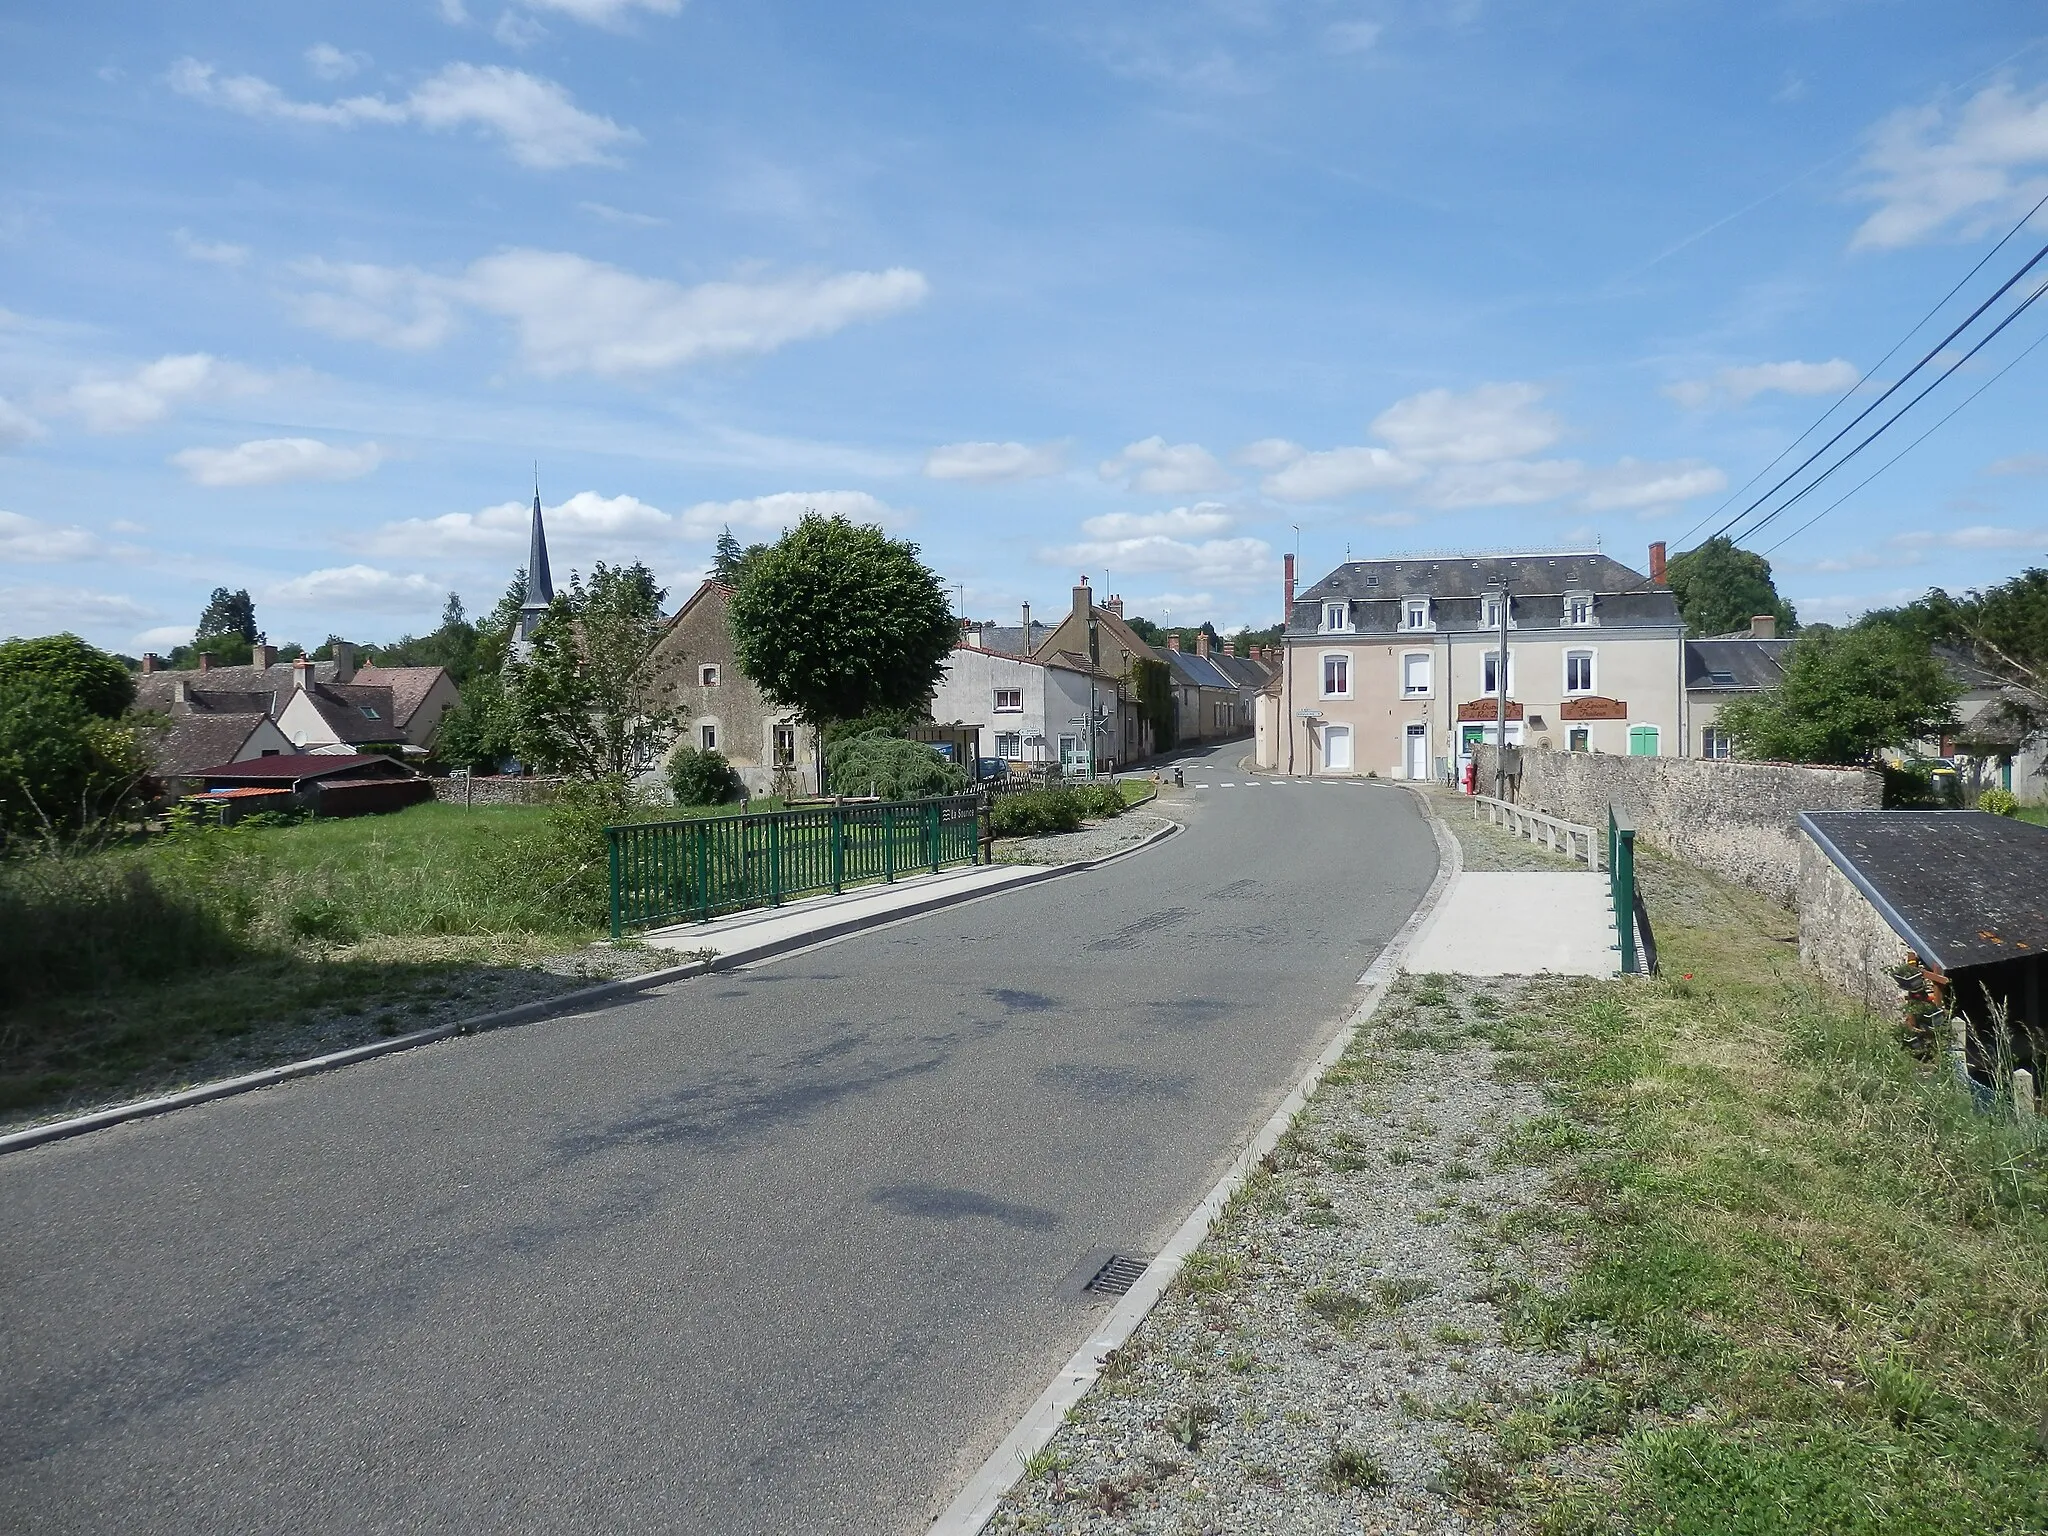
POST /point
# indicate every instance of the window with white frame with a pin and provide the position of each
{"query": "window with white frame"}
(707, 676)
(1336, 617)
(1490, 615)
(707, 737)
(1415, 675)
(785, 746)
(1415, 613)
(1715, 743)
(1578, 609)
(1337, 676)
(1578, 671)
(1490, 673)
(1010, 746)
(1009, 701)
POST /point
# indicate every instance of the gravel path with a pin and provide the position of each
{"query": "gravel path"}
(1096, 840)
(1335, 1354)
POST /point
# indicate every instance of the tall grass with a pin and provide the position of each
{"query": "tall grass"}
(76, 923)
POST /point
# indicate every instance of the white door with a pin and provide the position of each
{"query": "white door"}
(1337, 749)
(1418, 751)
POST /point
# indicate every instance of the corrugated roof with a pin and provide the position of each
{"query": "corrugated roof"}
(1961, 888)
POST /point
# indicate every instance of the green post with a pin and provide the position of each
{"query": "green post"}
(838, 828)
(931, 833)
(701, 832)
(888, 844)
(774, 861)
(1621, 875)
(611, 838)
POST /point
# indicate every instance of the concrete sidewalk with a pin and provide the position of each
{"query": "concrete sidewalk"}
(760, 932)
(1521, 924)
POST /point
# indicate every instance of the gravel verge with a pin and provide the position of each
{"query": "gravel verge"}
(1338, 1354)
(1487, 847)
(1096, 840)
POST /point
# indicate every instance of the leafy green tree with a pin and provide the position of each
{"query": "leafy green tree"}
(1721, 588)
(836, 621)
(66, 664)
(228, 650)
(453, 645)
(891, 767)
(1847, 694)
(581, 704)
(228, 613)
(66, 771)
(2003, 629)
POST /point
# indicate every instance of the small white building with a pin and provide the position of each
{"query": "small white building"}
(1029, 711)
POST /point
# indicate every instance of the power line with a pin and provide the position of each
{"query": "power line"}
(1888, 423)
(1865, 379)
(1888, 463)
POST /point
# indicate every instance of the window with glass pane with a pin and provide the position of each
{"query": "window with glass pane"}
(1581, 738)
(1335, 616)
(1715, 743)
(1414, 675)
(785, 746)
(1336, 676)
(1009, 700)
(1492, 683)
(1578, 610)
(1578, 671)
(1418, 615)
(1009, 745)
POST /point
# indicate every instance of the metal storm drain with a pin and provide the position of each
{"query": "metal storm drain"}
(1118, 1274)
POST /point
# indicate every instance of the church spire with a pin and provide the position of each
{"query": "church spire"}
(540, 585)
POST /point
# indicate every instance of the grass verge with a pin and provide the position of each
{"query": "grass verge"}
(1814, 1289)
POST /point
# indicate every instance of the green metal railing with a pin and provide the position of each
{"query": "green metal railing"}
(1621, 884)
(693, 871)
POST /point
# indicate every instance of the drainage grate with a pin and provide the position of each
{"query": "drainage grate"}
(1116, 1276)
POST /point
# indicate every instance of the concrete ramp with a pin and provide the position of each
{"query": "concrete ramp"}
(1521, 924)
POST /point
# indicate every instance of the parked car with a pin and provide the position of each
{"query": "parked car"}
(990, 768)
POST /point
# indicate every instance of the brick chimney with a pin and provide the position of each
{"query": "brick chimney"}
(1115, 604)
(302, 673)
(1287, 600)
(262, 654)
(1657, 564)
(205, 662)
(1173, 641)
(1764, 627)
(1202, 643)
(150, 662)
(344, 662)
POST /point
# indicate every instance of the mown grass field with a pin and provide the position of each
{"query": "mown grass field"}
(1814, 1282)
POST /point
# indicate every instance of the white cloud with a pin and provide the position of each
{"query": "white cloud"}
(606, 13)
(625, 216)
(39, 610)
(277, 460)
(1184, 522)
(1980, 536)
(1509, 483)
(26, 539)
(517, 31)
(149, 393)
(988, 462)
(1225, 562)
(1340, 472)
(1269, 453)
(1159, 468)
(1635, 484)
(1738, 386)
(452, 11)
(572, 314)
(331, 63)
(1353, 36)
(538, 123)
(1929, 167)
(220, 252)
(1491, 422)
(772, 514)
(164, 637)
(581, 524)
(2018, 464)
(18, 427)
(1844, 607)
(357, 586)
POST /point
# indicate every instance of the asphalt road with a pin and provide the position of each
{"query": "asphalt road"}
(771, 1251)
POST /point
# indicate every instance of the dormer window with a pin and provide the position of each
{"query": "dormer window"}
(1415, 613)
(1490, 613)
(1336, 618)
(1578, 609)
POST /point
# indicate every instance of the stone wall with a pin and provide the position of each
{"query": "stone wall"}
(1841, 935)
(534, 789)
(1737, 820)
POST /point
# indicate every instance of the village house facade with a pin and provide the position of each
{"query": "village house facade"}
(695, 665)
(1030, 710)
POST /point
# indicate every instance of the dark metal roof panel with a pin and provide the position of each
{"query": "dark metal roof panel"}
(1962, 888)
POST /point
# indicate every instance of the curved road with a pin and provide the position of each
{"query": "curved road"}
(775, 1250)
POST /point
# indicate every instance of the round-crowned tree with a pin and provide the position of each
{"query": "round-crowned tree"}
(95, 681)
(837, 620)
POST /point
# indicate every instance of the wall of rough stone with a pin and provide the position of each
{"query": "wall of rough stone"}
(535, 789)
(1737, 820)
(1841, 935)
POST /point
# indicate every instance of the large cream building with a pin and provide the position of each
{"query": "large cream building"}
(1393, 667)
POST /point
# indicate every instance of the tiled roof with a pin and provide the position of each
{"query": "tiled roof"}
(1245, 671)
(1738, 662)
(194, 740)
(1199, 670)
(342, 705)
(409, 686)
(304, 765)
(1457, 587)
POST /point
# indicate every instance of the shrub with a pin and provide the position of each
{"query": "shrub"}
(1036, 812)
(888, 766)
(70, 923)
(703, 778)
(1999, 802)
(1100, 800)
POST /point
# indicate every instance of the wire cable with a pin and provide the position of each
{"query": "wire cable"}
(1888, 463)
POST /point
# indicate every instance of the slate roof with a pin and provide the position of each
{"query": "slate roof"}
(1012, 641)
(1457, 586)
(1244, 671)
(1962, 888)
(409, 686)
(294, 766)
(1198, 670)
(154, 690)
(341, 705)
(195, 740)
(1735, 662)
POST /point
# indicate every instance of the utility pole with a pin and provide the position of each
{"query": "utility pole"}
(1094, 661)
(1500, 738)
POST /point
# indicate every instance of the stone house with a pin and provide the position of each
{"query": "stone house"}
(1117, 649)
(330, 706)
(694, 665)
(1719, 668)
(1394, 667)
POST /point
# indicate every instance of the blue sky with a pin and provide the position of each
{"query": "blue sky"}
(293, 297)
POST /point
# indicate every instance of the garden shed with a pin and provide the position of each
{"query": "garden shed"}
(328, 784)
(1965, 892)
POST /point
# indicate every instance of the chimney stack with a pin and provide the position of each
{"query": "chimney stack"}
(1173, 641)
(1202, 643)
(302, 673)
(1657, 564)
(1115, 605)
(179, 693)
(1027, 629)
(262, 654)
(150, 662)
(1287, 601)
(1764, 627)
(344, 662)
(1084, 599)
(205, 661)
